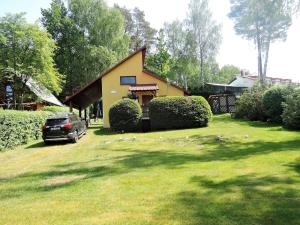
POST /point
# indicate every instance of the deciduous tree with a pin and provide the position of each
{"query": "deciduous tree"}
(26, 52)
(90, 38)
(206, 33)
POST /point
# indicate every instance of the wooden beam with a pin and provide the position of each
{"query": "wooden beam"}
(70, 107)
(85, 118)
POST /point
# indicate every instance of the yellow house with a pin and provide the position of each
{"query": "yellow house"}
(128, 77)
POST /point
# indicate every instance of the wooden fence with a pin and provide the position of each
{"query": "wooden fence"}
(222, 103)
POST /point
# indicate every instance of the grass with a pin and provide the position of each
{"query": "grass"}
(232, 172)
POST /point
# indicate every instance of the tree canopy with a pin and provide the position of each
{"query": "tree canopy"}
(137, 28)
(90, 37)
(26, 51)
(262, 21)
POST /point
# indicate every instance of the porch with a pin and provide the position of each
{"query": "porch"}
(144, 93)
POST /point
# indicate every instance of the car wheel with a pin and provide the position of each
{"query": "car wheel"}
(75, 139)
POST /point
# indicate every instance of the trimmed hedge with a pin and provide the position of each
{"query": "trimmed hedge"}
(272, 102)
(125, 116)
(179, 112)
(291, 110)
(56, 109)
(18, 127)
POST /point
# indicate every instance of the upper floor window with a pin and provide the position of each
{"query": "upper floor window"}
(127, 80)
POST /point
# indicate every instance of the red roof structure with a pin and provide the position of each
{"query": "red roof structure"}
(143, 87)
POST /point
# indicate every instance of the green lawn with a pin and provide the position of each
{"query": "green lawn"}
(232, 172)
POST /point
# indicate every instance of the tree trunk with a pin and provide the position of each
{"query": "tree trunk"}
(266, 58)
(201, 68)
(259, 58)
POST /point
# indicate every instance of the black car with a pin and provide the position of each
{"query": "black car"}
(63, 127)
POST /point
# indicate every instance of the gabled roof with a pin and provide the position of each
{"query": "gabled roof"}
(155, 75)
(98, 79)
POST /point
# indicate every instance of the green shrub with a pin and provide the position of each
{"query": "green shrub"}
(291, 110)
(18, 127)
(125, 115)
(249, 105)
(272, 102)
(179, 112)
(56, 109)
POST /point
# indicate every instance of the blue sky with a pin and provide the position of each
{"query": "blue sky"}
(31, 7)
(284, 56)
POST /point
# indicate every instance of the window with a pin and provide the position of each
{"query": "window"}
(127, 80)
(8, 94)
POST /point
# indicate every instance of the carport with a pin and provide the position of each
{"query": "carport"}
(85, 97)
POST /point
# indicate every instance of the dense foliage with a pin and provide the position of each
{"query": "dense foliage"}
(272, 102)
(249, 105)
(179, 112)
(90, 37)
(125, 116)
(18, 127)
(291, 110)
(137, 28)
(26, 51)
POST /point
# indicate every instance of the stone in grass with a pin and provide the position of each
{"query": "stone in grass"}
(219, 138)
(200, 146)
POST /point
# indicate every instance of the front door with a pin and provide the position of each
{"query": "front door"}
(145, 104)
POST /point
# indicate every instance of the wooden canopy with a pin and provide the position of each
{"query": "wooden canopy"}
(86, 96)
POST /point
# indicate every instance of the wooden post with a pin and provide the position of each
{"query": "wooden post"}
(85, 118)
(80, 112)
(227, 104)
(70, 107)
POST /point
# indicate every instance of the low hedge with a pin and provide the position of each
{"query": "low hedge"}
(291, 110)
(179, 112)
(125, 116)
(56, 109)
(18, 127)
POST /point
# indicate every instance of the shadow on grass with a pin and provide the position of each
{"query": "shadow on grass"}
(41, 144)
(241, 200)
(61, 177)
(65, 175)
(217, 151)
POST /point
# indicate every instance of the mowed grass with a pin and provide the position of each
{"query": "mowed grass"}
(232, 172)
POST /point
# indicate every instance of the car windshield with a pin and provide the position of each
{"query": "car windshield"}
(54, 122)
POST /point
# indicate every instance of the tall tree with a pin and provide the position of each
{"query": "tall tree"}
(206, 33)
(138, 28)
(90, 37)
(160, 61)
(264, 22)
(181, 48)
(26, 52)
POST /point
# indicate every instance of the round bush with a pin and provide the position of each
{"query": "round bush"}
(249, 105)
(272, 102)
(179, 112)
(291, 110)
(125, 115)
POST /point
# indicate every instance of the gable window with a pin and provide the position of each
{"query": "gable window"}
(127, 80)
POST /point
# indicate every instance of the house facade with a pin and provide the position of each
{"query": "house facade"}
(127, 78)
